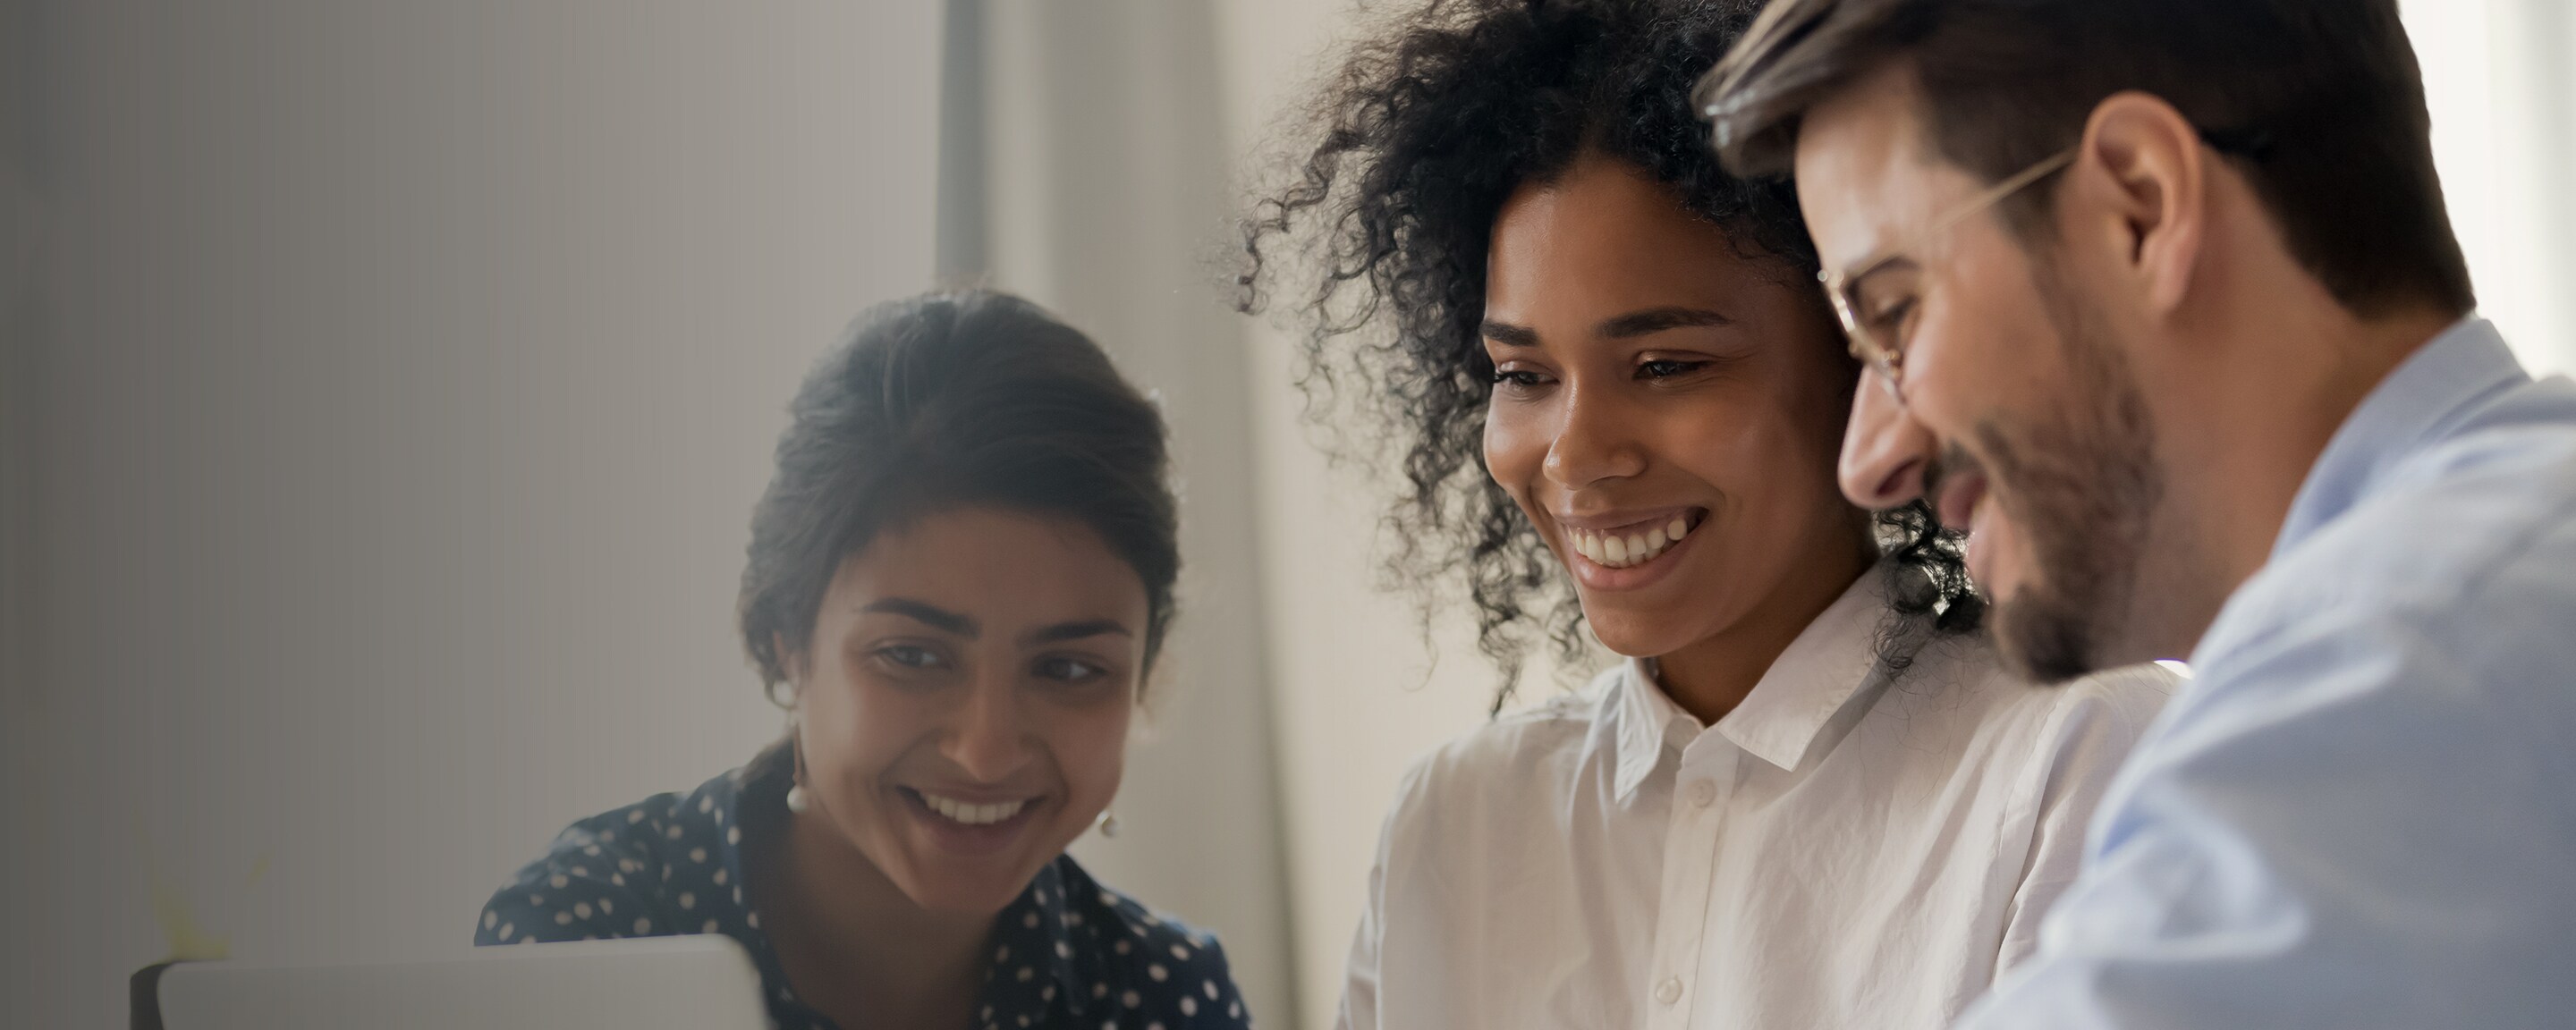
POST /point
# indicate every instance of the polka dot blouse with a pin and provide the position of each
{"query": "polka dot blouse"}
(1067, 953)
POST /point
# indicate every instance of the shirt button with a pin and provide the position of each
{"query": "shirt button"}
(1703, 792)
(1669, 991)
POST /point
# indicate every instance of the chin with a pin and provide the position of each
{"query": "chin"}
(940, 877)
(965, 892)
(1638, 634)
(2045, 636)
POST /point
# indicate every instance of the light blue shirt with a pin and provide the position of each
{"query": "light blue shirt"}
(2362, 813)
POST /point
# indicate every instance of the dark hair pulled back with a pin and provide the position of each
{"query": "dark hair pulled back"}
(949, 400)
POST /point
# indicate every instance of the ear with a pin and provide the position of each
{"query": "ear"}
(793, 663)
(2150, 177)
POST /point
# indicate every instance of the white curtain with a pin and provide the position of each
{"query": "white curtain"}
(2503, 98)
(1095, 182)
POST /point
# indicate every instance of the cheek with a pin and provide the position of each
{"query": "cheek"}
(1090, 749)
(1776, 454)
(1988, 342)
(857, 728)
(1515, 445)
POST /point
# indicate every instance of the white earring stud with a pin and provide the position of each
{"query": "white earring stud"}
(796, 798)
(1107, 824)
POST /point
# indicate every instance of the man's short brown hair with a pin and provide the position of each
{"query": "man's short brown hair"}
(2318, 102)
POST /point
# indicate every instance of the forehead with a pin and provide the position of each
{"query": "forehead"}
(1001, 567)
(1604, 235)
(1867, 174)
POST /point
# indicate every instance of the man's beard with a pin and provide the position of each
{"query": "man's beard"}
(2083, 488)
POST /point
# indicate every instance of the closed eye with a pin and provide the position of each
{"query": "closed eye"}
(1887, 320)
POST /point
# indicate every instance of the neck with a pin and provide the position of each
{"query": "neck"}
(1708, 678)
(855, 947)
(2268, 371)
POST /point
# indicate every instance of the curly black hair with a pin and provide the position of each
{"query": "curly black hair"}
(1417, 141)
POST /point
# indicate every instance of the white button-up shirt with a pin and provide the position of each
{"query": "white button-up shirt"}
(1842, 850)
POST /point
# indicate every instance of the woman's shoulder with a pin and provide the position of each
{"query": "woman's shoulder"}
(1970, 668)
(1548, 745)
(2113, 705)
(604, 876)
(1141, 961)
(1967, 682)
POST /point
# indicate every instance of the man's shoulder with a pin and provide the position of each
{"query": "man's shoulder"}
(2449, 581)
(2437, 541)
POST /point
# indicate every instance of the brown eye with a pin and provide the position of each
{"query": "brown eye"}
(1069, 670)
(908, 657)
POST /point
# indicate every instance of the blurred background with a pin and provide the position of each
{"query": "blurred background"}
(384, 389)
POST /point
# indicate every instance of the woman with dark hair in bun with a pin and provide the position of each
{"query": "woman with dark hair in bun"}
(959, 578)
(1810, 796)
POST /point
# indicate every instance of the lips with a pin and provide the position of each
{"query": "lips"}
(968, 825)
(1624, 551)
(1634, 544)
(1962, 495)
(971, 813)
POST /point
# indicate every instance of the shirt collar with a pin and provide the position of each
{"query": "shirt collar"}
(1805, 687)
(2442, 382)
(1646, 720)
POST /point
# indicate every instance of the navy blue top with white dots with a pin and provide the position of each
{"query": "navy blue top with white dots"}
(1067, 953)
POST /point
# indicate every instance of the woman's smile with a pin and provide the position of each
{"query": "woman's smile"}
(1625, 551)
(967, 827)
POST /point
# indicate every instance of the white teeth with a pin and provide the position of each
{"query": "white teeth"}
(1618, 552)
(971, 814)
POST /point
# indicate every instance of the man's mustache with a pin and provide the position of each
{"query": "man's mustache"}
(1953, 461)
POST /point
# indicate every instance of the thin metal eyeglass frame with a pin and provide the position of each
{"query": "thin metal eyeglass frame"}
(1887, 361)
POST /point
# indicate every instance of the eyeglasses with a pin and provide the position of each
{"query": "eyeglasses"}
(1879, 323)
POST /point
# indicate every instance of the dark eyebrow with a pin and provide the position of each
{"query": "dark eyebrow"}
(1656, 320)
(1063, 631)
(1509, 335)
(929, 615)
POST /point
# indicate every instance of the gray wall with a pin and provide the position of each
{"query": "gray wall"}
(385, 391)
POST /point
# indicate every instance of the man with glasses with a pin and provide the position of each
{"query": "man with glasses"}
(2161, 303)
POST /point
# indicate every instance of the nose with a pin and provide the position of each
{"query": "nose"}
(1591, 443)
(988, 741)
(1885, 451)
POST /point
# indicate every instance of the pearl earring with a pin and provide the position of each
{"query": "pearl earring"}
(1107, 824)
(797, 803)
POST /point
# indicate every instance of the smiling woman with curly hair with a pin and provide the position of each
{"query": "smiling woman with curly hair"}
(1810, 796)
